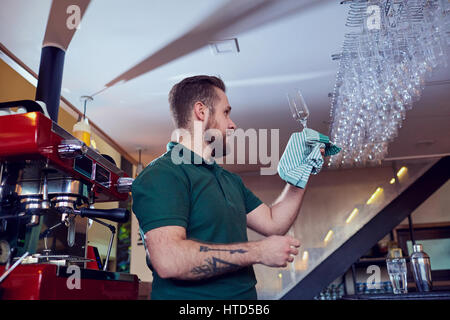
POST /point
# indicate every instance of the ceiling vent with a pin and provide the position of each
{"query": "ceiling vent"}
(225, 46)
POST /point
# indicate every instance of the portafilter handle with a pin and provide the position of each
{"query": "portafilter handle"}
(118, 215)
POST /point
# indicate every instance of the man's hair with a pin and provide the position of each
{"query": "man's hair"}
(186, 93)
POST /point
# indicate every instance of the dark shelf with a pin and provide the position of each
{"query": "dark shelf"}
(364, 262)
(433, 295)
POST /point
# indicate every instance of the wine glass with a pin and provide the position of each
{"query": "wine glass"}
(299, 109)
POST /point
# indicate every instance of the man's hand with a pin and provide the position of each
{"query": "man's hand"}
(322, 151)
(277, 251)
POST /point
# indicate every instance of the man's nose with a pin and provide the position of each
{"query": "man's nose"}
(231, 125)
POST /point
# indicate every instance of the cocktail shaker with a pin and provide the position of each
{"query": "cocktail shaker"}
(421, 266)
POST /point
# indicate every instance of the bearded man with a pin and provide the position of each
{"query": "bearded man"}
(194, 214)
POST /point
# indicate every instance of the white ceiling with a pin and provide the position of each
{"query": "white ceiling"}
(290, 52)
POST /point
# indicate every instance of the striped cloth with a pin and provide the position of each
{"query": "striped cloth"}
(302, 156)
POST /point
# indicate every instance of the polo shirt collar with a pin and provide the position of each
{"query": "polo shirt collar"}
(195, 158)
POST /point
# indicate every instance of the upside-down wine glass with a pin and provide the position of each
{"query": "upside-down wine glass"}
(299, 109)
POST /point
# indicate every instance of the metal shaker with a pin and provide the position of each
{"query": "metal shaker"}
(420, 263)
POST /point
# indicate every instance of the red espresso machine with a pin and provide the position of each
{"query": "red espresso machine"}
(49, 181)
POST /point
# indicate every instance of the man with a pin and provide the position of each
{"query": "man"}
(195, 215)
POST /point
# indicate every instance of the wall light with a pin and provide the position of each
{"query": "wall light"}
(352, 215)
(305, 255)
(402, 172)
(375, 195)
(328, 236)
(302, 264)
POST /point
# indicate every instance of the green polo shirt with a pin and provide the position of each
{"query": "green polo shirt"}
(210, 202)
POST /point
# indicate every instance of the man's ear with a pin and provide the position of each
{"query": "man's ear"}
(200, 111)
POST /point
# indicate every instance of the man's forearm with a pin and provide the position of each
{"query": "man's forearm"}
(194, 260)
(285, 209)
(174, 256)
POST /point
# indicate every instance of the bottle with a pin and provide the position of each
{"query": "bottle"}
(396, 267)
(421, 267)
(82, 131)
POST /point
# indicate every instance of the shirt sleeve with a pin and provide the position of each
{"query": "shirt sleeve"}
(251, 201)
(161, 198)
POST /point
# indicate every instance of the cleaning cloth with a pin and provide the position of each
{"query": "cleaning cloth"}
(302, 156)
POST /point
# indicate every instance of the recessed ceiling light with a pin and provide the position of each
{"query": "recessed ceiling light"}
(225, 46)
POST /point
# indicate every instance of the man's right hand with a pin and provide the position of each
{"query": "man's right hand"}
(277, 251)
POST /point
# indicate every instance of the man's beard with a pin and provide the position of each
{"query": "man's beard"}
(212, 124)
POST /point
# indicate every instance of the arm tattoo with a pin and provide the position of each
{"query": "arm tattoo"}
(206, 249)
(214, 266)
